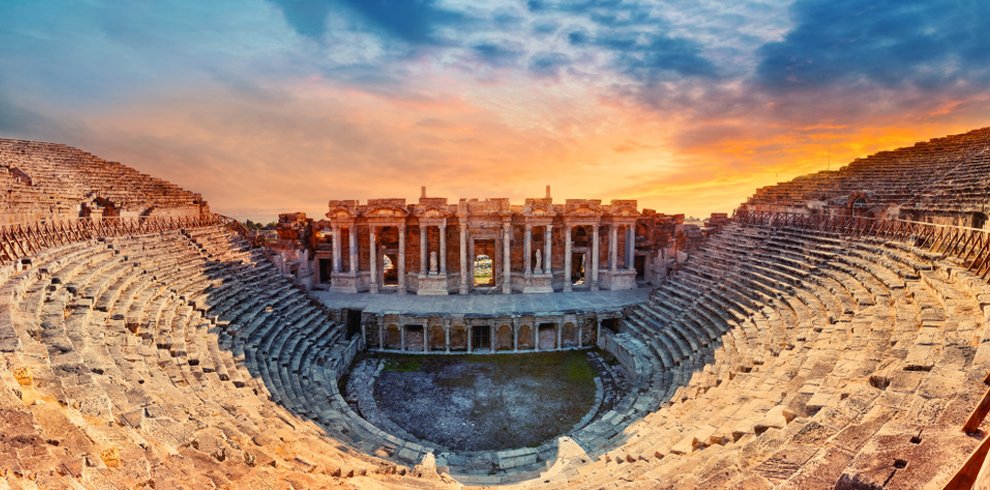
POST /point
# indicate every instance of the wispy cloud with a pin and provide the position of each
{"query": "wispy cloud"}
(268, 105)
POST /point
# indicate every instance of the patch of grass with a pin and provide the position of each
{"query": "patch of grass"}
(403, 364)
(487, 402)
(578, 370)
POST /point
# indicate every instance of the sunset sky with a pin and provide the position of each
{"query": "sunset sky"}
(267, 106)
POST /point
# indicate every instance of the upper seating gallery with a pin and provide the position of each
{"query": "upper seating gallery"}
(46, 181)
(945, 180)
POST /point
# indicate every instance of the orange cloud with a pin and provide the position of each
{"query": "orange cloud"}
(306, 142)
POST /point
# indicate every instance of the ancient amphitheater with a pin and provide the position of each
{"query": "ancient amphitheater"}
(831, 334)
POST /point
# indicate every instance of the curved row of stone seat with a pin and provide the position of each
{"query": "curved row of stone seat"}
(48, 180)
(286, 340)
(833, 360)
(121, 371)
(955, 178)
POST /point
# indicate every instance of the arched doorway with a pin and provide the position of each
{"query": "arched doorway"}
(979, 220)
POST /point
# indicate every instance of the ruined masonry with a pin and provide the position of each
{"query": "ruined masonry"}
(832, 333)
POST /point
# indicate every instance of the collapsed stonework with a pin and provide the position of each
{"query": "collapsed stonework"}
(50, 182)
(434, 248)
(945, 181)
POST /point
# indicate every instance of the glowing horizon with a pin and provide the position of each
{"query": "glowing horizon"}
(279, 106)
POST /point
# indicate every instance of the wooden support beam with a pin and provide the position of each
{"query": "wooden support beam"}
(980, 413)
(965, 478)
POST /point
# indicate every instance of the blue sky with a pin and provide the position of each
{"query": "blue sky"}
(268, 106)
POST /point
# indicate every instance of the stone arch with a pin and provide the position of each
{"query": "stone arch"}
(110, 210)
(503, 337)
(525, 337)
(458, 338)
(438, 338)
(414, 337)
(979, 220)
(371, 337)
(588, 332)
(569, 335)
(393, 337)
(548, 335)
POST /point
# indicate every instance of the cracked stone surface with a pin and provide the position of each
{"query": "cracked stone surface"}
(476, 403)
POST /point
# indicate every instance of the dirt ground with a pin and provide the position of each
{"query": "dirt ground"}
(492, 402)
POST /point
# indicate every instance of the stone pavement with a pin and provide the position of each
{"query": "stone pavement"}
(480, 304)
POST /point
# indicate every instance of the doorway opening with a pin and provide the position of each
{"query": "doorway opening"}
(979, 220)
(578, 268)
(484, 273)
(481, 338)
(326, 270)
(390, 273)
(353, 319)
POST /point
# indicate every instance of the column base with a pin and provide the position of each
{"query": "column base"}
(343, 283)
(618, 279)
(432, 285)
(538, 283)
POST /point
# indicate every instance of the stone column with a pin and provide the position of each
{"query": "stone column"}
(491, 339)
(470, 335)
(443, 248)
(630, 247)
(401, 266)
(560, 334)
(536, 335)
(613, 248)
(373, 260)
(580, 333)
(471, 263)
(464, 273)
(426, 343)
(352, 235)
(336, 250)
(547, 248)
(528, 249)
(424, 266)
(381, 332)
(515, 334)
(402, 337)
(595, 252)
(506, 258)
(446, 335)
(568, 282)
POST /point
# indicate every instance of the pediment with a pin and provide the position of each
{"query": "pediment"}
(584, 212)
(385, 212)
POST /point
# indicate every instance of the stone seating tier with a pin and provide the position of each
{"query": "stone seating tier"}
(125, 378)
(49, 181)
(775, 357)
(956, 178)
(853, 374)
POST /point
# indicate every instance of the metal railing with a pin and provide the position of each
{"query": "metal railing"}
(971, 246)
(23, 240)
